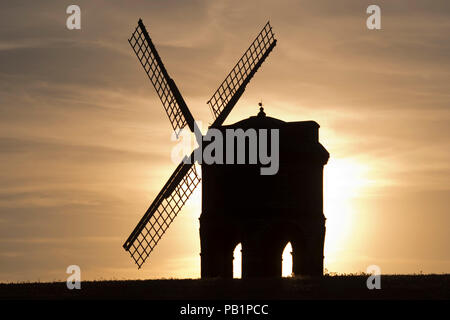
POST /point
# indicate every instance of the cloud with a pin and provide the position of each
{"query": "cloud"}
(85, 144)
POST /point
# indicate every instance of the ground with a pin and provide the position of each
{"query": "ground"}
(327, 287)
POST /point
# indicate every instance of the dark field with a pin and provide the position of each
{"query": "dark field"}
(328, 287)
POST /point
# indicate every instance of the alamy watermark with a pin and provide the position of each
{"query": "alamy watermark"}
(74, 280)
(374, 280)
(373, 22)
(230, 146)
(73, 21)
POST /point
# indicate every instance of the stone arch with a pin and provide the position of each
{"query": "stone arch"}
(287, 261)
(263, 249)
(237, 261)
(307, 251)
(217, 242)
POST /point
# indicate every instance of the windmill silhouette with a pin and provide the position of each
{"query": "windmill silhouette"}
(237, 203)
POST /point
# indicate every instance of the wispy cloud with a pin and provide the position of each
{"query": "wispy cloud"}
(85, 144)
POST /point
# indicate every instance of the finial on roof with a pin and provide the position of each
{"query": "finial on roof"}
(261, 112)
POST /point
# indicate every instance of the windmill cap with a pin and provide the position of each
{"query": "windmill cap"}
(299, 140)
(261, 120)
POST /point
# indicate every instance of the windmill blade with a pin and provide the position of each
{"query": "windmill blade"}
(173, 103)
(162, 212)
(231, 89)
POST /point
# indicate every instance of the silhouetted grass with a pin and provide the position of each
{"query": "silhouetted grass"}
(328, 287)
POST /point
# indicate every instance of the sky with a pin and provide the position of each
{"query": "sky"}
(85, 144)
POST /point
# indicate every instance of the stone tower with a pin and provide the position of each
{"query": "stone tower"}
(265, 212)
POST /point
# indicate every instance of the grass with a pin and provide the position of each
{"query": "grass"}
(328, 287)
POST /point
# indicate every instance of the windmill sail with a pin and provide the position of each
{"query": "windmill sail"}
(185, 179)
(162, 212)
(173, 103)
(231, 89)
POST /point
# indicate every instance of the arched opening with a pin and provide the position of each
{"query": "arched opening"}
(237, 262)
(286, 262)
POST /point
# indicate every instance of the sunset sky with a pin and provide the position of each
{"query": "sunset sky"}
(85, 144)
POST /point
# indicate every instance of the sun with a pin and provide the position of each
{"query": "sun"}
(345, 179)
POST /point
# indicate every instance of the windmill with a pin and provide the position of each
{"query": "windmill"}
(185, 179)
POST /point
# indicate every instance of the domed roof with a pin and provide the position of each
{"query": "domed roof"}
(258, 121)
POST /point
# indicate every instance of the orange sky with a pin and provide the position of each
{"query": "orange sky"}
(85, 144)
